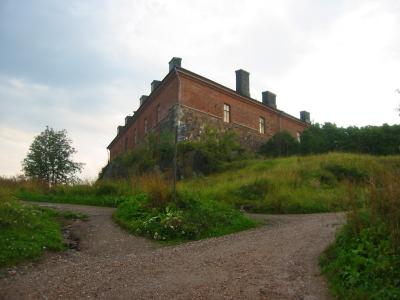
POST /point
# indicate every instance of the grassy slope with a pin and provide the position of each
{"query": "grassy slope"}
(319, 183)
(308, 184)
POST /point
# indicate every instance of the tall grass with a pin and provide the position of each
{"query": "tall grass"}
(303, 184)
(157, 188)
(102, 193)
(364, 261)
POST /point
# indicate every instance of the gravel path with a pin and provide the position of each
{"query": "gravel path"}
(276, 261)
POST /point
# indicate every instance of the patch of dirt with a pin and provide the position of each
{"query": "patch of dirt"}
(275, 261)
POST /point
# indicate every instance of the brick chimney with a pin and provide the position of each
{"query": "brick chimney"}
(305, 116)
(127, 119)
(155, 84)
(269, 99)
(143, 98)
(242, 83)
(119, 129)
(175, 62)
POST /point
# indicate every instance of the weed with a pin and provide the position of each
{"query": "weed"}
(188, 219)
(364, 261)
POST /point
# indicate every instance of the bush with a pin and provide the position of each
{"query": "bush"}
(281, 144)
(364, 261)
(209, 154)
(199, 157)
(155, 153)
(363, 264)
(351, 173)
(253, 191)
(188, 219)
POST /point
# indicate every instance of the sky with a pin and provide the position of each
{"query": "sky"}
(83, 65)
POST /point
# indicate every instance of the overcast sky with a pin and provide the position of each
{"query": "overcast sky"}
(82, 65)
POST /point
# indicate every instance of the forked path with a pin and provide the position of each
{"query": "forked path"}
(275, 261)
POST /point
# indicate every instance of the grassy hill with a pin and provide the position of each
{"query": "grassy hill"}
(298, 184)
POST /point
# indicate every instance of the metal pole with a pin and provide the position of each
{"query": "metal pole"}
(175, 161)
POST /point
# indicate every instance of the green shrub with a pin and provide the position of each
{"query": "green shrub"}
(281, 144)
(209, 154)
(188, 219)
(341, 172)
(364, 261)
(364, 264)
(106, 189)
(255, 190)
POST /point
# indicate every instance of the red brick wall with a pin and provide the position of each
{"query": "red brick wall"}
(244, 113)
(166, 95)
(204, 102)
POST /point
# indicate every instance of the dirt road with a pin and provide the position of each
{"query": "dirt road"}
(275, 261)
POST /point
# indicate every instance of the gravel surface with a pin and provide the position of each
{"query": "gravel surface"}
(275, 261)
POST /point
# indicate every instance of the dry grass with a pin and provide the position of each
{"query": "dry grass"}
(157, 188)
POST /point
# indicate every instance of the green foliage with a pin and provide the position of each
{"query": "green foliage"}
(210, 153)
(364, 261)
(102, 193)
(26, 231)
(342, 172)
(188, 219)
(363, 264)
(155, 153)
(281, 144)
(285, 185)
(49, 158)
(378, 140)
(201, 157)
(254, 190)
(307, 184)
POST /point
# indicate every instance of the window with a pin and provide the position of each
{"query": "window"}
(135, 136)
(145, 126)
(158, 114)
(126, 143)
(227, 113)
(261, 122)
(298, 136)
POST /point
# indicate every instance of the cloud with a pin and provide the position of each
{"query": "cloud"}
(14, 146)
(82, 66)
(27, 108)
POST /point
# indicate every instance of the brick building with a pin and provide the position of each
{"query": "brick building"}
(191, 101)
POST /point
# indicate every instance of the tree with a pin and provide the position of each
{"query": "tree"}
(49, 158)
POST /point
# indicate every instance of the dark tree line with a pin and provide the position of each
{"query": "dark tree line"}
(378, 140)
